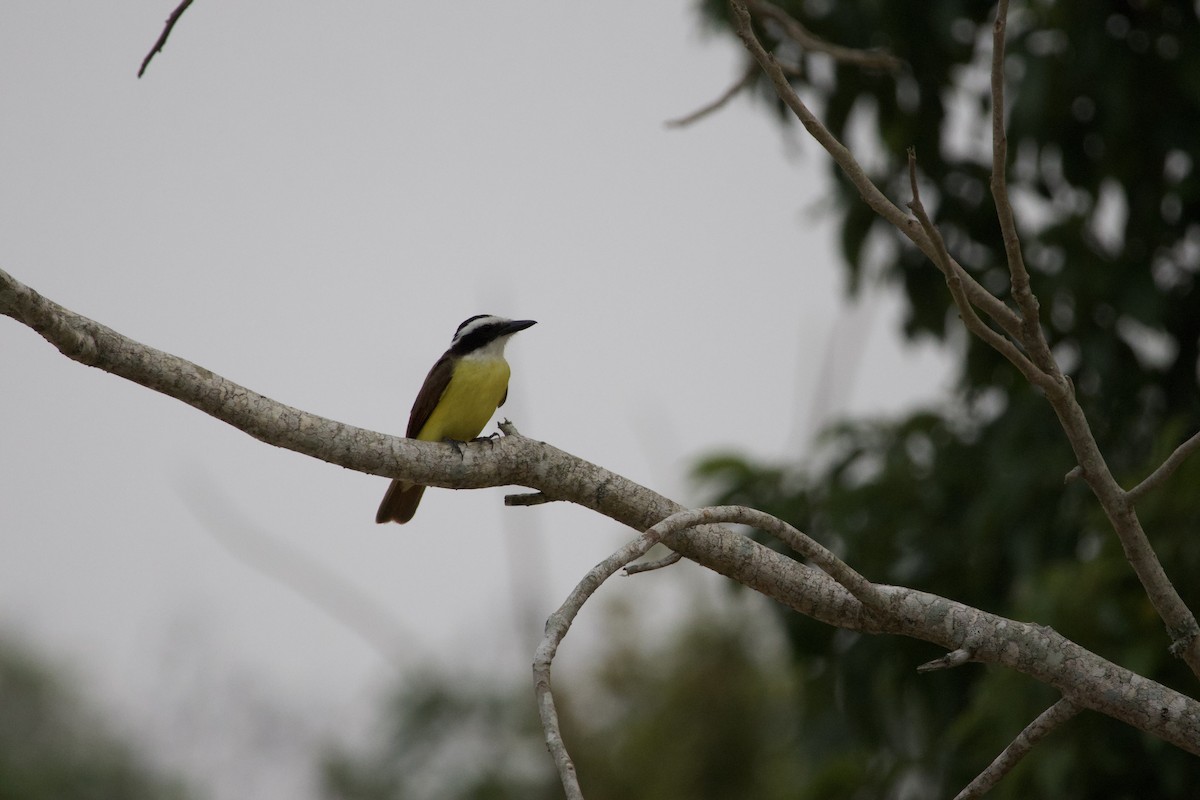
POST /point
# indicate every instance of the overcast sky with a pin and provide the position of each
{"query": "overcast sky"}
(307, 198)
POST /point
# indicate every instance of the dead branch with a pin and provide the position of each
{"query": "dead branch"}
(162, 37)
(747, 77)
(1085, 678)
(868, 59)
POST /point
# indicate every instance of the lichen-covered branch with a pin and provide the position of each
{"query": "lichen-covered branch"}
(1083, 677)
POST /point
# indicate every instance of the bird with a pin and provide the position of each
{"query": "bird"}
(460, 394)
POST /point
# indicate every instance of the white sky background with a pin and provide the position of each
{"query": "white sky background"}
(307, 198)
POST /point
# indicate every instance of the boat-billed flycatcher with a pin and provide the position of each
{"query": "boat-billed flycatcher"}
(460, 394)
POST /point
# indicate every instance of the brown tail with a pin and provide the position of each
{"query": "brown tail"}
(400, 502)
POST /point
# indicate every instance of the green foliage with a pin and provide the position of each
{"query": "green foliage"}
(703, 716)
(446, 739)
(53, 748)
(969, 501)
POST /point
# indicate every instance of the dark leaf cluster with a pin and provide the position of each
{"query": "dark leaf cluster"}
(969, 500)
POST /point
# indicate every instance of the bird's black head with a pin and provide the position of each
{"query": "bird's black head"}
(484, 329)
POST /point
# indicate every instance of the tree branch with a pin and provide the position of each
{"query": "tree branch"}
(162, 38)
(862, 589)
(1085, 678)
(1182, 628)
(1024, 328)
(1047, 721)
(556, 629)
(1004, 316)
(1032, 336)
(649, 566)
(869, 59)
(1165, 470)
(951, 660)
(954, 280)
(747, 77)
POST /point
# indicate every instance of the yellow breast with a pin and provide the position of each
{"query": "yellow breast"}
(475, 390)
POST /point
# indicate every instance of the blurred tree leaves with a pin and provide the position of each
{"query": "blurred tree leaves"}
(705, 714)
(53, 747)
(969, 500)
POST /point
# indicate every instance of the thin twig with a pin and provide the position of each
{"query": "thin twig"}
(953, 274)
(1031, 334)
(955, 658)
(1165, 470)
(870, 59)
(745, 80)
(1047, 721)
(162, 39)
(649, 566)
(526, 499)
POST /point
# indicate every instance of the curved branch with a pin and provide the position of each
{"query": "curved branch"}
(1085, 678)
(556, 629)
(863, 590)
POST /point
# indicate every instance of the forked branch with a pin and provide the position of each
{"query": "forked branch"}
(1023, 327)
(953, 273)
(871, 194)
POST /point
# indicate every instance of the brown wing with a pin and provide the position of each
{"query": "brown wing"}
(402, 498)
(431, 392)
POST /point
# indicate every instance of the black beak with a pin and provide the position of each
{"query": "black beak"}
(518, 325)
